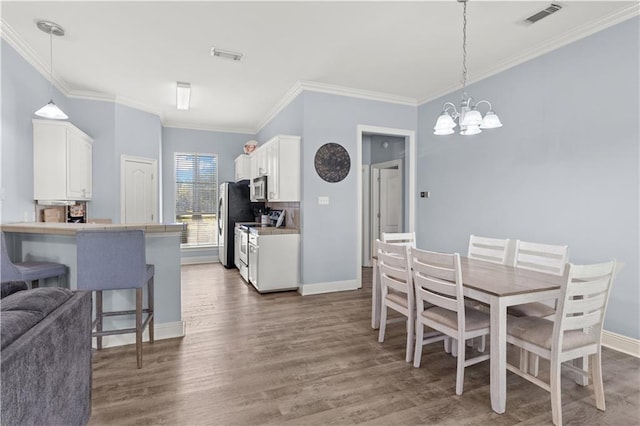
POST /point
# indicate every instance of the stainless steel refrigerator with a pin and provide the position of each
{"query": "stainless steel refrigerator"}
(234, 206)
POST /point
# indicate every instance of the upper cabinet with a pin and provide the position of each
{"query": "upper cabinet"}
(62, 161)
(279, 160)
(243, 167)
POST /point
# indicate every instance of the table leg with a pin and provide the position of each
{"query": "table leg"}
(375, 296)
(498, 355)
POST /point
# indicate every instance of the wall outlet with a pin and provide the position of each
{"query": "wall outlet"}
(323, 200)
(425, 194)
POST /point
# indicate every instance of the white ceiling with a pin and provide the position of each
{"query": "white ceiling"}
(134, 52)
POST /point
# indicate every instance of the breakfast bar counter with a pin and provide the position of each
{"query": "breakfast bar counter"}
(56, 242)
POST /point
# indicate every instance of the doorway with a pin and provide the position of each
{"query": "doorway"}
(395, 207)
(138, 189)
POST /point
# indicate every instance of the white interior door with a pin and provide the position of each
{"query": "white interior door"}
(390, 201)
(387, 207)
(139, 190)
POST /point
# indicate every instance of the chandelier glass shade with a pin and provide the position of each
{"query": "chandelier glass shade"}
(51, 110)
(468, 116)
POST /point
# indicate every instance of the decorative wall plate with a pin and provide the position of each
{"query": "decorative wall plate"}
(332, 162)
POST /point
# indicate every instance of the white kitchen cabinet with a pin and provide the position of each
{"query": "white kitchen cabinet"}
(62, 161)
(243, 167)
(259, 163)
(283, 164)
(274, 261)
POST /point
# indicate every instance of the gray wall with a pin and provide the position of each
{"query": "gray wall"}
(379, 154)
(320, 118)
(24, 91)
(116, 130)
(562, 170)
(226, 145)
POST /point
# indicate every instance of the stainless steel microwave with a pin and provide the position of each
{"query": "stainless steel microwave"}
(259, 185)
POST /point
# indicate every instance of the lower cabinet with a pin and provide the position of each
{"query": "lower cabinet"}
(274, 261)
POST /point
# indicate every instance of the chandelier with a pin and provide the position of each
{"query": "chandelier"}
(470, 120)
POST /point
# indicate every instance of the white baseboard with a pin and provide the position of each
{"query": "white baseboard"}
(167, 330)
(197, 260)
(328, 287)
(620, 343)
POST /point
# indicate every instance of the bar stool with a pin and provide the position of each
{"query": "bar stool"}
(116, 260)
(29, 272)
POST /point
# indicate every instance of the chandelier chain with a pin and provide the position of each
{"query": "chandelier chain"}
(464, 49)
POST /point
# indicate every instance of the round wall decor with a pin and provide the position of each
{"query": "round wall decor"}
(332, 162)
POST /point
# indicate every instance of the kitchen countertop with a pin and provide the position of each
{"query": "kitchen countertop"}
(55, 228)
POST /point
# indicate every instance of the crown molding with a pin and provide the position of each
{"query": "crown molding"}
(576, 34)
(206, 127)
(314, 86)
(24, 50)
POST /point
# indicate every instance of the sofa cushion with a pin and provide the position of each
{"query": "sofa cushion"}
(22, 310)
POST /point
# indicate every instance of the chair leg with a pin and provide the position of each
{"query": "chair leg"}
(555, 389)
(582, 364)
(99, 318)
(524, 360)
(383, 323)
(534, 364)
(151, 313)
(454, 347)
(460, 367)
(411, 324)
(447, 344)
(139, 326)
(417, 355)
(596, 372)
(483, 344)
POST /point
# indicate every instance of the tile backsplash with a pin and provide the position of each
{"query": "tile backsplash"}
(292, 215)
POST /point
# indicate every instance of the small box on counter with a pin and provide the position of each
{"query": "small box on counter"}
(53, 214)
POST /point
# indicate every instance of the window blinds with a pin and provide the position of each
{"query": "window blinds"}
(196, 197)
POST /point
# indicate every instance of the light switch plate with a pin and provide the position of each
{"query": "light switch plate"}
(323, 200)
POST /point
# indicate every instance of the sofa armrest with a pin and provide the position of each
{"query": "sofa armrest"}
(11, 287)
(46, 373)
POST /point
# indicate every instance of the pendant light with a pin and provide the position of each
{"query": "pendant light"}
(51, 110)
(470, 120)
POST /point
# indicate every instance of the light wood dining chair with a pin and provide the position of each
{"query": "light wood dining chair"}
(575, 332)
(438, 281)
(401, 238)
(494, 250)
(548, 258)
(396, 285)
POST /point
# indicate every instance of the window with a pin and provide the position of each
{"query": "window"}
(197, 198)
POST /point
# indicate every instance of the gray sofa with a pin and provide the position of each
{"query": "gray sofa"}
(46, 357)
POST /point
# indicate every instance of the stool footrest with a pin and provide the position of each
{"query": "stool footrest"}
(120, 330)
(116, 313)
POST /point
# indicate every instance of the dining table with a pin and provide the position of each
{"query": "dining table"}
(499, 286)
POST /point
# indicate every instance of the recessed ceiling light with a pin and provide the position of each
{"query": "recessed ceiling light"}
(226, 54)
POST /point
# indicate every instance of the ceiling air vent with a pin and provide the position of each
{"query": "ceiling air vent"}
(553, 8)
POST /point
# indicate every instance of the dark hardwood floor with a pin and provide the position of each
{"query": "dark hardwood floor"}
(282, 358)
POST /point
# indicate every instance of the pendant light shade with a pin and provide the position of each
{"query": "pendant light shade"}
(51, 110)
(490, 121)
